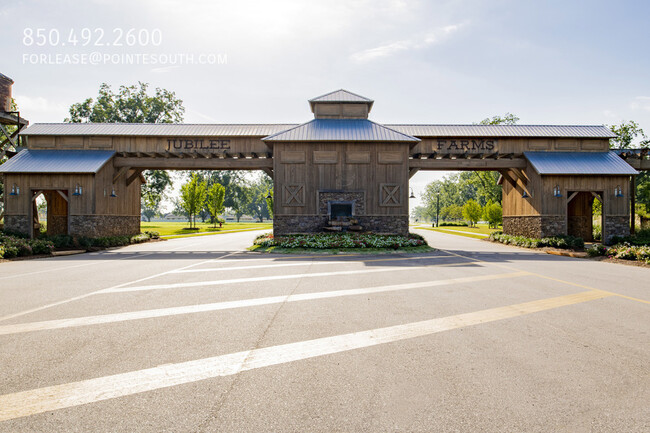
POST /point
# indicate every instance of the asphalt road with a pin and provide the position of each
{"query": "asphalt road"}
(194, 335)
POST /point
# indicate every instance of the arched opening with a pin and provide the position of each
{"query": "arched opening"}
(580, 217)
(50, 211)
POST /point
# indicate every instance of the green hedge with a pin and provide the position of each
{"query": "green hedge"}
(18, 246)
(561, 242)
(340, 240)
(624, 251)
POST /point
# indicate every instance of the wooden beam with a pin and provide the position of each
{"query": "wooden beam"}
(136, 174)
(62, 194)
(572, 196)
(412, 172)
(520, 175)
(190, 164)
(268, 171)
(120, 172)
(6, 133)
(508, 178)
(467, 164)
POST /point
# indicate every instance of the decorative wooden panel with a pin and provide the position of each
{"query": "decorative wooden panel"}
(390, 194)
(357, 157)
(566, 144)
(326, 157)
(41, 142)
(72, 142)
(390, 157)
(101, 142)
(292, 157)
(539, 144)
(594, 145)
(293, 195)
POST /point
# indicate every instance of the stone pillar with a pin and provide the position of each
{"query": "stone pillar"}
(17, 223)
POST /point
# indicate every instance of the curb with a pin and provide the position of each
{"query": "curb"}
(568, 254)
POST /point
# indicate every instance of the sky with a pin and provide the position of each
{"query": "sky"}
(444, 62)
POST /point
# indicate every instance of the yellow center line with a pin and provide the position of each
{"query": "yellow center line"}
(39, 400)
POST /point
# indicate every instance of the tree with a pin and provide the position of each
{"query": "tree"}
(628, 132)
(472, 212)
(215, 198)
(193, 195)
(256, 205)
(153, 191)
(451, 213)
(493, 214)
(507, 119)
(133, 104)
(240, 200)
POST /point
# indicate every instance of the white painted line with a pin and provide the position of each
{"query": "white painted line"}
(306, 263)
(26, 403)
(216, 306)
(86, 295)
(271, 278)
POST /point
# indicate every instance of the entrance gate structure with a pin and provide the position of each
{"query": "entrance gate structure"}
(340, 165)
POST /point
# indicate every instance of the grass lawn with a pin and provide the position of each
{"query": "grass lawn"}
(175, 229)
(481, 231)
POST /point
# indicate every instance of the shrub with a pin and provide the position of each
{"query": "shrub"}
(340, 240)
(451, 224)
(597, 250)
(153, 234)
(562, 242)
(41, 246)
(2, 251)
(139, 238)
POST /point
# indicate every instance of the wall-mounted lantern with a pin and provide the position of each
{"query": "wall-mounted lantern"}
(557, 192)
(618, 192)
(113, 193)
(412, 195)
(78, 190)
(15, 190)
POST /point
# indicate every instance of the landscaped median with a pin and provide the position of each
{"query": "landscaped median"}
(15, 245)
(175, 230)
(333, 243)
(633, 248)
(560, 242)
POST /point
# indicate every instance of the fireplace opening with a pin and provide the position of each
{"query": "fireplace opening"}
(340, 209)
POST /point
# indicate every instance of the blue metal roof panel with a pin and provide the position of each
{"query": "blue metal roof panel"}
(57, 161)
(545, 131)
(156, 129)
(340, 130)
(593, 163)
(341, 95)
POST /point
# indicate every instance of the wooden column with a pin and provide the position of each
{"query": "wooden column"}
(633, 205)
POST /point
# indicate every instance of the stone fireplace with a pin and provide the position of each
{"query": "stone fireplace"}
(340, 209)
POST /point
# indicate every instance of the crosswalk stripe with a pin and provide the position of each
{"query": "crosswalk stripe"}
(274, 277)
(30, 402)
(201, 308)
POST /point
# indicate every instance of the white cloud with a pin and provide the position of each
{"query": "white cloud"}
(389, 49)
(40, 109)
(640, 103)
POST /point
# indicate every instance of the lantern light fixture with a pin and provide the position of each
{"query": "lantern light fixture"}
(15, 190)
(412, 195)
(78, 190)
(113, 193)
(618, 191)
(557, 192)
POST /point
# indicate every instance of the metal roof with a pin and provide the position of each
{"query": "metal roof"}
(597, 163)
(57, 161)
(156, 129)
(544, 131)
(341, 95)
(263, 130)
(340, 130)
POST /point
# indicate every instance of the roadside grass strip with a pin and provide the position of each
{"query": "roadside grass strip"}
(201, 308)
(276, 277)
(40, 400)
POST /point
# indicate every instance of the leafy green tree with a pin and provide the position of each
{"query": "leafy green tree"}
(257, 205)
(215, 198)
(240, 200)
(493, 214)
(193, 195)
(506, 119)
(153, 192)
(629, 134)
(472, 212)
(133, 104)
(452, 212)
